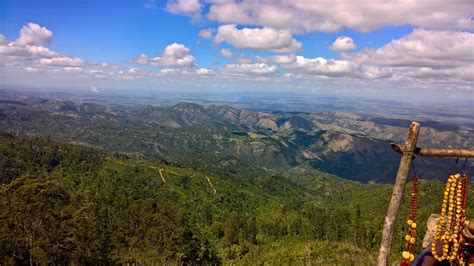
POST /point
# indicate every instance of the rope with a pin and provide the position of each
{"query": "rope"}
(464, 166)
(413, 166)
(455, 163)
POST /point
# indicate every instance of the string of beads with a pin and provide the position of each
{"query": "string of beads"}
(451, 221)
(411, 222)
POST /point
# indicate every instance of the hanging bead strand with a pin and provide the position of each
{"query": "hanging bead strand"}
(451, 221)
(410, 238)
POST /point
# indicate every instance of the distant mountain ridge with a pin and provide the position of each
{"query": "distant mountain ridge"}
(345, 144)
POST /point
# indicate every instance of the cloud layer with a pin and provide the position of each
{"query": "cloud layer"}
(428, 58)
(280, 41)
(334, 15)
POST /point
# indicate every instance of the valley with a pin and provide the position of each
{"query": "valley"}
(349, 145)
(213, 184)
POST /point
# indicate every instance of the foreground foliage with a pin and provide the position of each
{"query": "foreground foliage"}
(62, 203)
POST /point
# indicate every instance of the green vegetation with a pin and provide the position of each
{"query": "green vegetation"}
(63, 203)
(222, 137)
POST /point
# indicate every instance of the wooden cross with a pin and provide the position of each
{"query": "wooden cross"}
(408, 151)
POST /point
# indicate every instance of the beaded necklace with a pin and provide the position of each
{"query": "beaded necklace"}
(451, 221)
(411, 222)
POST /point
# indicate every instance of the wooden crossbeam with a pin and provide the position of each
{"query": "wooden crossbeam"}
(430, 152)
(408, 151)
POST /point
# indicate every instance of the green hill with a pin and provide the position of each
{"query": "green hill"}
(63, 203)
(206, 137)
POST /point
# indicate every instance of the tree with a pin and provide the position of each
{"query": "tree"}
(36, 216)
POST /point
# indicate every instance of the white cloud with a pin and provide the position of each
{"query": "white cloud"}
(94, 89)
(175, 59)
(204, 71)
(28, 51)
(427, 56)
(62, 61)
(424, 54)
(343, 44)
(186, 71)
(71, 69)
(332, 16)
(184, 6)
(34, 34)
(31, 69)
(284, 59)
(134, 70)
(256, 68)
(280, 41)
(226, 53)
(423, 48)
(174, 55)
(325, 67)
(206, 33)
(3, 39)
(13, 50)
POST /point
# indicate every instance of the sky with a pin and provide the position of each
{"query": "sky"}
(360, 48)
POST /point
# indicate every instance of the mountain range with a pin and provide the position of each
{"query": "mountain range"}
(349, 145)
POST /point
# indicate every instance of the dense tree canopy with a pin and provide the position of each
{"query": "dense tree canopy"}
(62, 203)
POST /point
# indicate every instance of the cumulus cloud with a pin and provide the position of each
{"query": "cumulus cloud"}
(437, 55)
(343, 44)
(62, 61)
(175, 59)
(226, 53)
(255, 68)
(285, 59)
(322, 66)
(423, 48)
(12, 50)
(34, 34)
(425, 55)
(29, 53)
(204, 71)
(309, 16)
(186, 71)
(174, 55)
(280, 41)
(186, 7)
(206, 33)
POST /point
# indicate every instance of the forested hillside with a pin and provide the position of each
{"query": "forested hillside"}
(62, 203)
(207, 137)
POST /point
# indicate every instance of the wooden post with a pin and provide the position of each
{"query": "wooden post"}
(398, 190)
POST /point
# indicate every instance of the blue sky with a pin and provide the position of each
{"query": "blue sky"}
(289, 44)
(116, 31)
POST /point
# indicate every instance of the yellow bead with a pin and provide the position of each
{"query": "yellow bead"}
(409, 222)
(412, 240)
(412, 257)
(413, 225)
(406, 255)
(407, 238)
